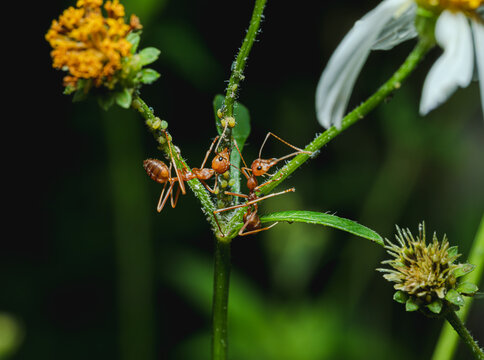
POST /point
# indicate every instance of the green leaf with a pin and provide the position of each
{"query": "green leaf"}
(148, 55)
(312, 217)
(106, 101)
(400, 297)
(411, 305)
(435, 306)
(149, 76)
(454, 297)
(123, 98)
(134, 39)
(69, 89)
(463, 269)
(467, 288)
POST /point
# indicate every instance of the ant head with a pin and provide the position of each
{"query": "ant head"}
(221, 161)
(261, 166)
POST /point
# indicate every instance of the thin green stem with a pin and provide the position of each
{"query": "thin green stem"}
(236, 76)
(221, 281)
(447, 343)
(394, 83)
(465, 335)
(239, 65)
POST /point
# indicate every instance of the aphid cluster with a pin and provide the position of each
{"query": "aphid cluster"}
(161, 173)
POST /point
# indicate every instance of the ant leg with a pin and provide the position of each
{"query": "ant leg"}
(236, 194)
(173, 203)
(230, 208)
(208, 187)
(161, 203)
(238, 150)
(250, 202)
(216, 220)
(256, 230)
(222, 136)
(178, 174)
(258, 187)
(268, 196)
(208, 152)
(161, 195)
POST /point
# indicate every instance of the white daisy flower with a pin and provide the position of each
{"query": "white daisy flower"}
(459, 31)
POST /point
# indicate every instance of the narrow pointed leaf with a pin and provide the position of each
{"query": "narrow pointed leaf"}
(411, 305)
(400, 297)
(435, 306)
(454, 297)
(123, 98)
(148, 76)
(313, 217)
(134, 39)
(467, 288)
(148, 55)
(463, 270)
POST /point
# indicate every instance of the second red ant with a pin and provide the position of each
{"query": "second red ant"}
(258, 167)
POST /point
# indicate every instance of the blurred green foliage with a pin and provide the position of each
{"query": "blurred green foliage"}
(98, 274)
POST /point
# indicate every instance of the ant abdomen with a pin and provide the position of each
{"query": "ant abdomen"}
(156, 170)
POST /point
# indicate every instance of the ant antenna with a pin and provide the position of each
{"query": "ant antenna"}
(283, 141)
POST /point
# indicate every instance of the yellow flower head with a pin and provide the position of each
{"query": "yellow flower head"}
(88, 44)
(468, 7)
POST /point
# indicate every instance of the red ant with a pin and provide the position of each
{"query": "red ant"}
(259, 167)
(158, 171)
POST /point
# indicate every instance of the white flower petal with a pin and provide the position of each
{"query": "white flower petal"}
(400, 28)
(336, 82)
(478, 30)
(455, 66)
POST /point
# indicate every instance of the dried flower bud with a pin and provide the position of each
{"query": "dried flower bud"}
(425, 275)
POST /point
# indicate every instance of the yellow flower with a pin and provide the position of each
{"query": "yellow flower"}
(468, 7)
(88, 45)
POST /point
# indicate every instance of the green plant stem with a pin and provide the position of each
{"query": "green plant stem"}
(447, 343)
(238, 66)
(236, 76)
(221, 281)
(132, 238)
(394, 83)
(465, 335)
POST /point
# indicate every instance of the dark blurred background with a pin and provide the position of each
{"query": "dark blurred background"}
(91, 270)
